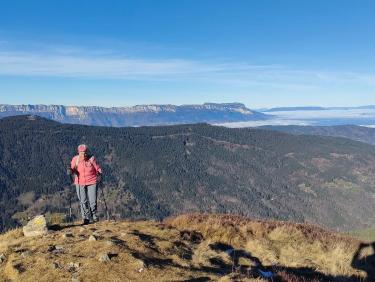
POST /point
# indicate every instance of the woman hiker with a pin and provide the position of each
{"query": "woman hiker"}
(87, 174)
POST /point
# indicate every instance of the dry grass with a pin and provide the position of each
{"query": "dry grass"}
(280, 244)
(142, 251)
(176, 251)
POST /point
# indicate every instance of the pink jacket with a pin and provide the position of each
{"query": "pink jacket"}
(86, 171)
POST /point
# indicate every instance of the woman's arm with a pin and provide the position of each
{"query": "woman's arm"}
(96, 166)
(73, 164)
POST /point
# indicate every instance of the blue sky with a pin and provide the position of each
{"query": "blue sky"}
(120, 53)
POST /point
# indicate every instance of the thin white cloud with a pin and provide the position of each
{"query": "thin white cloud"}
(81, 66)
(97, 64)
(326, 114)
(364, 117)
(257, 123)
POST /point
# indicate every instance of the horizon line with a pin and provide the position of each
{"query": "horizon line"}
(194, 104)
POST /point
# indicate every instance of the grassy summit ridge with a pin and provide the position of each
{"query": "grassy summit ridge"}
(192, 247)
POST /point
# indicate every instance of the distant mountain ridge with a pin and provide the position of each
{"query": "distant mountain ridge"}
(138, 115)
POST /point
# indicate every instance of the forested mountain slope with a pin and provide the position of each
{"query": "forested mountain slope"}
(153, 172)
(354, 132)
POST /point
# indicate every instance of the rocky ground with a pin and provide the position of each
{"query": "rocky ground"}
(186, 248)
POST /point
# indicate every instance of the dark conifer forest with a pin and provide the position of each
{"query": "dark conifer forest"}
(155, 172)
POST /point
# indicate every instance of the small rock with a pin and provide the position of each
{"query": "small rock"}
(104, 257)
(55, 265)
(141, 264)
(109, 243)
(73, 266)
(55, 249)
(2, 258)
(25, 254)
(36, 227)
(18, 268)
(75, 277)
(68, 235)
(19, 249)
(92, 238)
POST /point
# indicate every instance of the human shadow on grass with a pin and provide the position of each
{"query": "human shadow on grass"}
(242, 264)
(365, 263)
(255, 269)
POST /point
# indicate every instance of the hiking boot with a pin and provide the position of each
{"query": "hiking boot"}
(85, 221)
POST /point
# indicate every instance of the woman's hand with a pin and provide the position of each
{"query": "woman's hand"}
(99, 178)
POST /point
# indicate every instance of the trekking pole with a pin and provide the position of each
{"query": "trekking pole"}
(69, 172)
(103, 197)
(70, 197)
